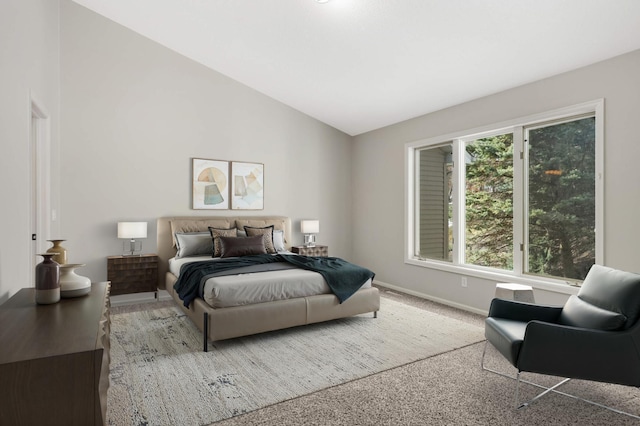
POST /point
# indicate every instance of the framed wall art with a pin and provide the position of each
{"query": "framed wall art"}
(210, 184)
(247, 186)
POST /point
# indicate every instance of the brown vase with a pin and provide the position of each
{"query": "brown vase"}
(59, 252)
(47, 280)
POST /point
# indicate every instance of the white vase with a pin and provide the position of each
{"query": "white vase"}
(72, 284)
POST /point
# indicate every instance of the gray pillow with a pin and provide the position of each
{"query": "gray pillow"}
(234, 246)
(578, 313)
(193, 244)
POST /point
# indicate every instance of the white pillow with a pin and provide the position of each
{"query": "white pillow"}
(278, 240)
(194, 244)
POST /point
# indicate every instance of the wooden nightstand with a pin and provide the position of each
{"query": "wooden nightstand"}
(318, 250)
(132, 274)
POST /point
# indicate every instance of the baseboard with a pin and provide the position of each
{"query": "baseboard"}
(432, 298)
(163, 295)
(129, 299)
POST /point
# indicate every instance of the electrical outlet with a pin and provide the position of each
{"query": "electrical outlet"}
(463, 281)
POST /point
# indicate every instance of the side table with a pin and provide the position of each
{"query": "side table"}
(318, 250)
(518, 292)
(132, 274)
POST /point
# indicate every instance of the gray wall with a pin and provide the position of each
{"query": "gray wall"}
(378, 175)
(29, 66)
(135, 113)
(131, 114)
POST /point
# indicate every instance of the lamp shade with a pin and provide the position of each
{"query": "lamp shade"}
(132, 229)
(310, 226)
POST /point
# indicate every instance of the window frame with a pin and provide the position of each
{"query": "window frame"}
(458, 141)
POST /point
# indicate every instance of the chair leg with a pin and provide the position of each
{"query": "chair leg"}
(553, 388)
(541, 394)
(517, 396)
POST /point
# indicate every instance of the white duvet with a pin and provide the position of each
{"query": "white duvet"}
(257, 287)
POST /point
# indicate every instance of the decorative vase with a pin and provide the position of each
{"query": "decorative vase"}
(72, 284)
(60, 253)
(47, 280)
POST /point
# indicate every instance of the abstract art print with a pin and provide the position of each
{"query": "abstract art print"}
(210, 184)
(247, 186)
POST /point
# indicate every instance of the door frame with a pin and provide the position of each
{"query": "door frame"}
(40, 178)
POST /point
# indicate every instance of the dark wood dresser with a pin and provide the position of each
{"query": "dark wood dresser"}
(54, 359)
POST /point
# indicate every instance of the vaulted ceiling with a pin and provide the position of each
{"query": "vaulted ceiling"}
(359, 65)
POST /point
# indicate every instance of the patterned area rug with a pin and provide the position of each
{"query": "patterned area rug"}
(160, 376)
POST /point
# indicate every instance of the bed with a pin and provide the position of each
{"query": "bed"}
(219, 320)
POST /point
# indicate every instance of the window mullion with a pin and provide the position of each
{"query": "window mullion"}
(519, 200)
(458, 201)
(599, 156)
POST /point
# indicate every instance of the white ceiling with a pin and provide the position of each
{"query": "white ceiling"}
(359, 65)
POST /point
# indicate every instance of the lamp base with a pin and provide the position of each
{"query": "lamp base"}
(309, 240)
(132, 248)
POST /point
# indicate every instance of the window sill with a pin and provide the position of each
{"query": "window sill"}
(556, 286)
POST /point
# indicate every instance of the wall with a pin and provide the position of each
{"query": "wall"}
(29, 58)
(378, 175)
(135, 113)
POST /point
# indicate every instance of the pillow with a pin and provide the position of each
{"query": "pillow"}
(578, 313)
(216, 233)
(193, 244)
(197, 225)
(613, 290)
(234, 246)
(278, 240)
(267, 234)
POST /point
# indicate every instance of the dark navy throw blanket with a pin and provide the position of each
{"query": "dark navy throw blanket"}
(342, 277)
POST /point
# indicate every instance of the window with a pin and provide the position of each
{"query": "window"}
(489, 201)
(435, 238)
(522, 199)
(561, 198)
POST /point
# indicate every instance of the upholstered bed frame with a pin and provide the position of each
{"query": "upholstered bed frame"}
(226, 323)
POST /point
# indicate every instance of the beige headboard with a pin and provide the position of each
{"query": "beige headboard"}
(167, 226)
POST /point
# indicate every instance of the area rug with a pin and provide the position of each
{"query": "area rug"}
(161, 376)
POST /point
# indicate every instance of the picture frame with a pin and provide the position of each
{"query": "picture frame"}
(247, 186)
(210, 184)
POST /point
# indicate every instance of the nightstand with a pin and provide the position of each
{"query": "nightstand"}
(318, 250)
(132, 274)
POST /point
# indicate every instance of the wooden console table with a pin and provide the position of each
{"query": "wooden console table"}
(54, 359)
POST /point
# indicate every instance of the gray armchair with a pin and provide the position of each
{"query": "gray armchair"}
(594, 336)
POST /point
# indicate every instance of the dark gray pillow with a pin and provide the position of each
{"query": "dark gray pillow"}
(613, 290)
(578, 313)
(234, 246)
(216, 233)
(266, 232)
(193, 244)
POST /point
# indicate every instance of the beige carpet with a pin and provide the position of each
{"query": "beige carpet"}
(447, 389)
(160, 376)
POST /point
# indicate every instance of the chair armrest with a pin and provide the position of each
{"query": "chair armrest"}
(566, 351)
(522, 311)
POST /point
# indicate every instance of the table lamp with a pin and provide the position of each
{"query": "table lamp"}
(131, 231)
(310, 228)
